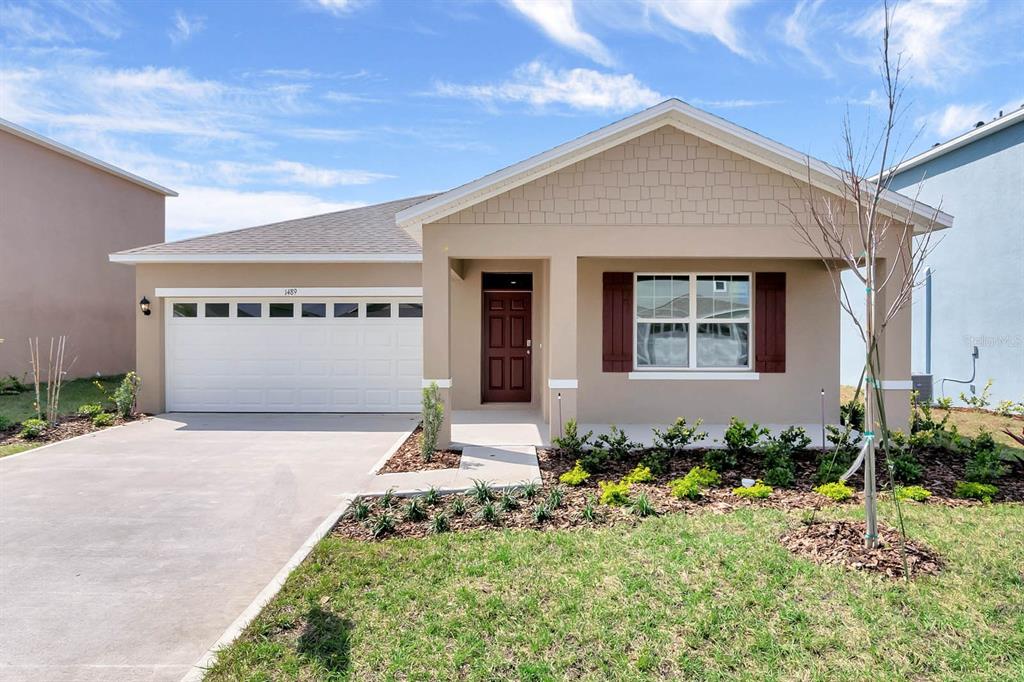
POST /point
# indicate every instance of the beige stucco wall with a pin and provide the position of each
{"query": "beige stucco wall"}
(59, 220)
(149, 277)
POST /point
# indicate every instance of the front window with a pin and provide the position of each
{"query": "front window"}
(692, 321)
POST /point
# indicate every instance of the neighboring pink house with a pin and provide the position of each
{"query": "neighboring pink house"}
(61, 213)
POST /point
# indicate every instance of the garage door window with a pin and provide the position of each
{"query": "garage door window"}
(346, 310)
(378, 310)
(282, 310)
(314, 310)
(185, 309)
(410, 310)
(250, 310)
(217, 309)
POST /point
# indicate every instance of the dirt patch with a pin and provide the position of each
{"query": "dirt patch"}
(408, 457)
(67, 427)
(841, 543)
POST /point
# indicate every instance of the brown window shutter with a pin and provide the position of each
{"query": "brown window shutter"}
(617, 322)
(770, 322)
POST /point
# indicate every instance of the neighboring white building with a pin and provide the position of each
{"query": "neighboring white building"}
(977, 270)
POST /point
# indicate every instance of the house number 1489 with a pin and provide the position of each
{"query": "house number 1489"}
(290, 292)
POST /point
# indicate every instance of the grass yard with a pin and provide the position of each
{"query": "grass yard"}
(697, 596)
(15, 448)
(18, 407)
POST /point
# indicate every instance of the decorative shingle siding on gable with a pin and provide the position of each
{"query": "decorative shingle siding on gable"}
(665, 177)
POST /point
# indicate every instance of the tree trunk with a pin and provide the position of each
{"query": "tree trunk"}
(871, 385)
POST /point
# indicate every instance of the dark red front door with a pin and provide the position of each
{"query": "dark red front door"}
(505, 375)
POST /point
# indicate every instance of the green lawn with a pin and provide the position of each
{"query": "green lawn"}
(703, 596)
(15, 448)
(73, 393)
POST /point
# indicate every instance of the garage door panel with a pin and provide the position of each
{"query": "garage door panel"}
(294, 364)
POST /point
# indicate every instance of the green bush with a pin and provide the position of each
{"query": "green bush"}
(851, 414)
(11, 385)
(571, 443)
(383, 524)
(639, 474)
(657, 460)
(439, 524)
(985, 464)
(778, 451)
(575, 476)
(555, 498)
(642, 506)
(970, 490)
(740, 441)
(758, 491)
(617, 443)
(481, 491)
(432, 416)
(432, 496)
(979, 401)
(126, 394)
(912, 492)
(704, 477)
(928, 434)
(458, 505)
(489, 513)
(89, 410)
(33, 428)
(901, 460)
(509, 501)
(359, 511)
(614, 493)
(103, 420)
(833, 462)
(5, 423)
(692, 485)
(837, 492)
(541, 513)
(679, 435)
(414, 510)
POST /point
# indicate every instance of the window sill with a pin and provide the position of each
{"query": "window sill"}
(741, 375)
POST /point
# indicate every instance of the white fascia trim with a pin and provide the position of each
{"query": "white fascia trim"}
(563, 383)
(53, 145)
(897, 385)
(967, 138)
(441, 383)
(294, 292)
(268, 258)
(675, 112)
(694, 376)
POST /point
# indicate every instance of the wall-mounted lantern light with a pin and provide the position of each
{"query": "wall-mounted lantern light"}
(144, 305)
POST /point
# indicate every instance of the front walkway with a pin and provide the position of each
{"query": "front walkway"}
(125, 554)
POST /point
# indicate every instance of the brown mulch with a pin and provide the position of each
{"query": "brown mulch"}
(841, 543)
(68, 427)
(409, 458)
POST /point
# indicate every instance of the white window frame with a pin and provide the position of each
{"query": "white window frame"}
(692, 320)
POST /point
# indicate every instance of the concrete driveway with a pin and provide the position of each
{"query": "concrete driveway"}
(125, 554)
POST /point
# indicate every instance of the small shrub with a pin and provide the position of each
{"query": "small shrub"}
(5, 423)
(719, 459)
(433, 416)
(704, 477)
(970, 490)
(685, 488)
(589, 512)
(414, 510)
(489, 513)
(33, 428)
(575, 476)
(555, 498)
(458, 505)
(639, 474)
(594, 460)
(985, 464)
(617, 443)
(360, 511)
(837, 492)
(439, 524)
(912, 492)
(388, 498)
(979, 401)
(89, 410)
(571, 443)
(529, 489)
(432, 496)
(541, 513)
(383, 524)
(103, 420)
(481, 491)
(851, 414)
(833, 462)
(509, 501)
(795, 438)
(657, 460)
(126, 394)
(740, 439)
(642, 506)
(678, 435)
(11, 385)
(905, 467)
(1009, 408)
(614, 493)
(758, 491)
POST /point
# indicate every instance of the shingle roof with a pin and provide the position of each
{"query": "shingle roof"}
(369, 230)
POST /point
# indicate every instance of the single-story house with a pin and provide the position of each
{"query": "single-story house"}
(61, 214)
(642, 272)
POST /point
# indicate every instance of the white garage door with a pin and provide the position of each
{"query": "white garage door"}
(293, 355)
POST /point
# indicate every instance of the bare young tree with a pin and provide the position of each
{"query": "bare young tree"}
(55, 372)
(851, 230)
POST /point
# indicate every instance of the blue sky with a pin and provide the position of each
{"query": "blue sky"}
(262, 111)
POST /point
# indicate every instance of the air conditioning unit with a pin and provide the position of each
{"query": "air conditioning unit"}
(923, 387)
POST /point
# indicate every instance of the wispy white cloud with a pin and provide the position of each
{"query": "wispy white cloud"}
(800, 27)
(324, 134)
(557, 18)
(184, 27)
(22, 24)
(290, 173)
(539, 85)
(715, 18)
(734, 103)
(955, 119)
(338, 8)
(199, 210)
(103, 17)
(339, 97)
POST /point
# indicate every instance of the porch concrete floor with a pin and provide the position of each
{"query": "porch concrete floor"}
(501, 467)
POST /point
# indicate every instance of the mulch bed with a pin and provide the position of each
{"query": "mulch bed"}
(408, 457)
(841, 543)
(67, 427)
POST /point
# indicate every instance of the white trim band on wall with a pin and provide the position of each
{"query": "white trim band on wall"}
(694, 376)
(897, 385)
(441, 383)
(563, 383)
(298, 292)
(267, 258)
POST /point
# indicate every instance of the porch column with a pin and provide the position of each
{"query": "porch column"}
(436, 326)
(894, 351)
(562, 369)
